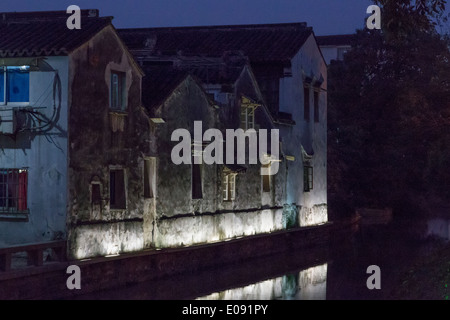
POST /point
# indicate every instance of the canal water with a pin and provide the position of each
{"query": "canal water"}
(338, 272)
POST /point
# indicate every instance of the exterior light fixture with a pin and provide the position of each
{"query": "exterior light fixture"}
(157, 120)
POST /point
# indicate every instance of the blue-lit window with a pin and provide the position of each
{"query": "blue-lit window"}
(14, 84)
(118, 91)
(2, 86)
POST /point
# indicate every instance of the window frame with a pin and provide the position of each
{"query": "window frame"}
(246, 113)
(96, 193)
(308, 178)
(229, 187)
(121, 91)
(6, 86)
(266, 180)
(21, 201)
(122, 205)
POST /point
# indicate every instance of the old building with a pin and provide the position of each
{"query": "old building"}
(286, 82)
(87, 134)
(72, 135)
(206, 202)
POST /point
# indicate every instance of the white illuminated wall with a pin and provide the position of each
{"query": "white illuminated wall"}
(44, 154)
(212, 228)
(309, 135)
(107, 239)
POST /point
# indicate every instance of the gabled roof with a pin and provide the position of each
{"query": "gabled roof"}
(34, 34)
(158, 84)
(261, 43)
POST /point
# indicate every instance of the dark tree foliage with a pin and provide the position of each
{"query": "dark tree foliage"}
(389, 113)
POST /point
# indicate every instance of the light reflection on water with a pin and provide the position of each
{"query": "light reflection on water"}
(309, 284)
(393, 246)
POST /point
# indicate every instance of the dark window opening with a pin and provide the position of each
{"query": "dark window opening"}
(271, 93)
(306, 111)
(308, 178)
(13, 190)
(117, 194)
(316, 106)
(96, 197)
(196, 180)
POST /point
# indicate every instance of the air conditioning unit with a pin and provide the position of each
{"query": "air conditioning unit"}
(7, 121)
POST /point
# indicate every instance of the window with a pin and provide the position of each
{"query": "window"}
(96, 196)
(118, 91)
(247, 117)
(266, 181)
(271, 92)
(14, 85)
(196, 180)
(306, 111)
(307, 178)
(117, 196)
(316, 106)
(149, 178)
(13, 190)
(229, 187)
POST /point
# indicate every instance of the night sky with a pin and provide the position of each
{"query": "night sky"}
(325, 16)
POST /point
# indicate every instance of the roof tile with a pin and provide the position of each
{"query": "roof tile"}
(44, 33)
(261, 43)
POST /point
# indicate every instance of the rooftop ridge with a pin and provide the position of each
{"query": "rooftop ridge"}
(45, 15)
(210, 27)
(259, 42)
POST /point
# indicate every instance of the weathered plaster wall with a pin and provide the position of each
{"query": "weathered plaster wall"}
(102, 239)
(309, 134)
(96, 147)
(181, 220)
(251, 182)
(216, 227)
(188, 103)
(44, 153)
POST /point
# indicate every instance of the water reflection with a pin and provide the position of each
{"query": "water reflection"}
(309, 284)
